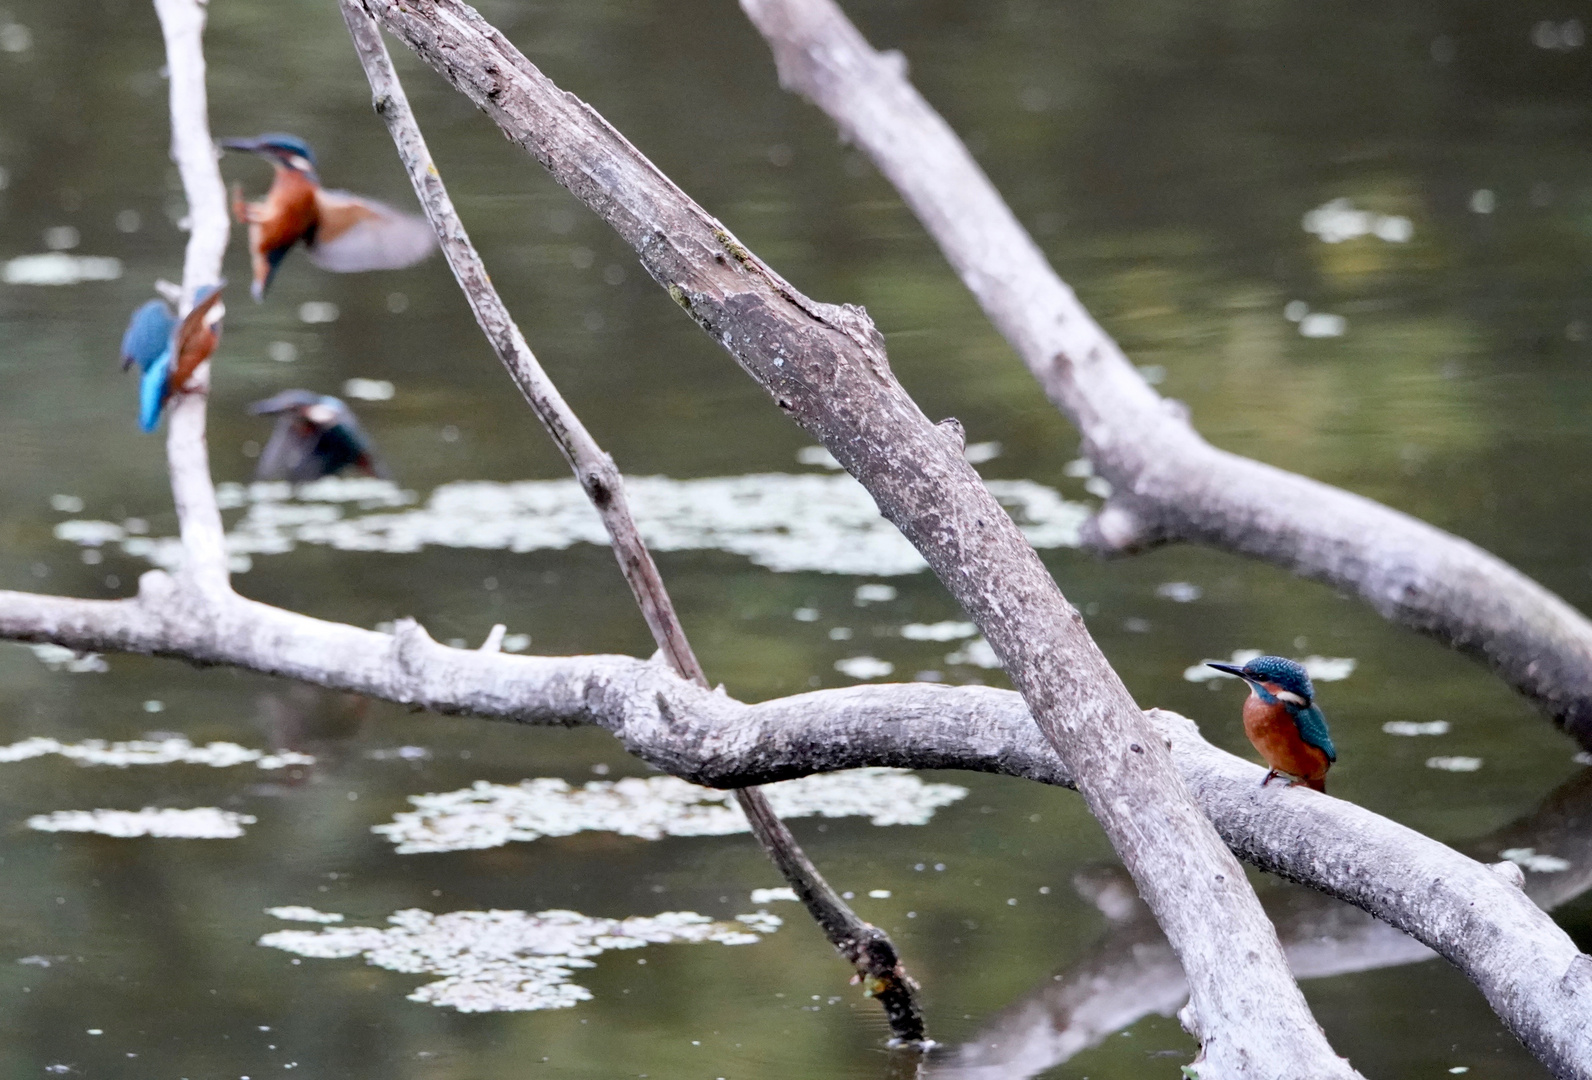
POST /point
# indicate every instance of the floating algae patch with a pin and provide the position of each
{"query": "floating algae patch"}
(172, 751)
(489, 815)
(199, 823)
(786, 522)
(509, 961)
(299, 913)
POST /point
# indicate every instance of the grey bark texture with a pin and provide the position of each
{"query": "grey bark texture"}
(868, 948)
(1474, 914)
(826, 368)
(1169, 483)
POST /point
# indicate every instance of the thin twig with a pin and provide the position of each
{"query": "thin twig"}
(867, 947)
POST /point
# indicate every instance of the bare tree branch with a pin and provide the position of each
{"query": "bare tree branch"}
(1473, 914)
(203, 539)
(1168, 482)
(868, 948)
(838, 384)
(825, 366)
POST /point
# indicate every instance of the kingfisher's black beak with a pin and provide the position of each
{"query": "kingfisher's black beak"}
(1228, 668)
(248, 146)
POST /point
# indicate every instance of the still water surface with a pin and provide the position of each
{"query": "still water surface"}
(1422, 337)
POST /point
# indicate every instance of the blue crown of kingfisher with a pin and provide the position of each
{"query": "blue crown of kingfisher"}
(290, 151)
(1285, 674)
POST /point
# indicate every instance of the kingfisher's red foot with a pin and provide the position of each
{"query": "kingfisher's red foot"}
(1271, 775)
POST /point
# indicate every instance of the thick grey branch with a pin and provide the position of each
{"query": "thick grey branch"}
(867, 947)
(1170, 483)
(1473, 914)
(825, 366)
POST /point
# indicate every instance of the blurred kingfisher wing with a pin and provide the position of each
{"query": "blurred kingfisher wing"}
(1313, 730)
(148, 334)
(354, 446)
(198, 335)
(152, 391)
(355, 234)
(288, 453)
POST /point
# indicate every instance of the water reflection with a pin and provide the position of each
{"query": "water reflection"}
(1131, 972)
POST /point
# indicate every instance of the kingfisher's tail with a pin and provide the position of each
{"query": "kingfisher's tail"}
(1318, 784)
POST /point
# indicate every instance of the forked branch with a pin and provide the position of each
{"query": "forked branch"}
(826, 368)
(868, 948)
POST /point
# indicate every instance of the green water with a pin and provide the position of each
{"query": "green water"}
(1163, 153)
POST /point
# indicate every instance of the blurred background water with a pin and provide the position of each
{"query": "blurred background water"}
(1353, 237)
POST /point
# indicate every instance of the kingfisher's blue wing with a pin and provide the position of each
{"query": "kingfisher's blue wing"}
(148, 333)
(1313, 730)
(152, 391)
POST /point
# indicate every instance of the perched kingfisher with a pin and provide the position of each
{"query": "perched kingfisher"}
(343, 232)
(1281, 719)
(315, 436)
(168, 352)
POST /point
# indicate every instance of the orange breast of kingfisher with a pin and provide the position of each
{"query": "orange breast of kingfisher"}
(281, 219)
(1273, 732)
(287, 213)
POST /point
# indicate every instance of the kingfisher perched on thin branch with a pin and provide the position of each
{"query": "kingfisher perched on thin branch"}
(316, 435)
(168, 352)
(1281, 719)
(343, 232)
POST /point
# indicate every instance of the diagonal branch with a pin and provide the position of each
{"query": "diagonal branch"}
(826, 368)
(1475, 915)
(1169, 483)
(868, 948)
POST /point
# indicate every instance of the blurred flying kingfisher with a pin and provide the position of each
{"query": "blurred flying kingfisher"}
(315, 436)
(1281, 719)
(343, 232)
(168, 352)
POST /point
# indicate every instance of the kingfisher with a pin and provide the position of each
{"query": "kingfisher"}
(1283, 722)
(167, 351)
(343, 232)
(316, 435)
